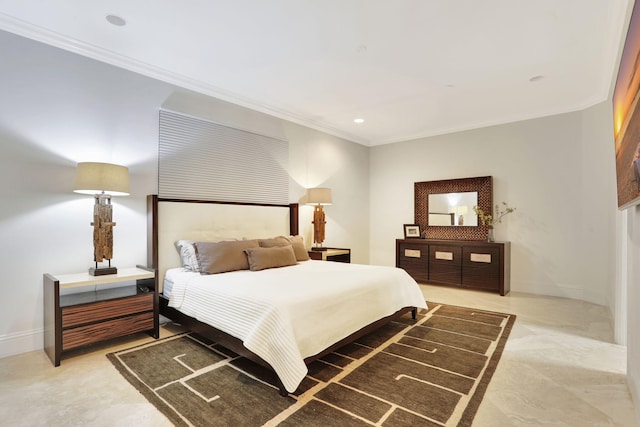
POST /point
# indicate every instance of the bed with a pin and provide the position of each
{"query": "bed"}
(281, 318)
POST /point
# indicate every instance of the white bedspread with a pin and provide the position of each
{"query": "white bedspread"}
(287, 314)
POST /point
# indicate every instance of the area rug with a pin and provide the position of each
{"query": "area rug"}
(433, 371)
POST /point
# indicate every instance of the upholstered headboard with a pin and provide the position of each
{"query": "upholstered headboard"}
(169, 220)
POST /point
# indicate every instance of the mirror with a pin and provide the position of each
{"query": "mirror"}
(453, 209)
(481, 187)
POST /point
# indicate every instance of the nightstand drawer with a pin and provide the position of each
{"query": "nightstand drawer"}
(89, 313)
(95, 332)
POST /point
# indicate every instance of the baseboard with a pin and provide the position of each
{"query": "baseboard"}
(21, 342)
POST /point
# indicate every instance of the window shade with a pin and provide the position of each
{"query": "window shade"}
(199, 159)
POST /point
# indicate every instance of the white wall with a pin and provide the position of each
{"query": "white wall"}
(321, 160)
(558, 173)
(598, 174)
(625, 292)
(57, 109)
(632, 238)
(316, 159)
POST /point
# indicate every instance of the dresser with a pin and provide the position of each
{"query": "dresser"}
(472, 264)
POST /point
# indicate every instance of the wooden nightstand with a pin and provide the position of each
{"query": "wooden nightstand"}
(331, 254)
(78, 319)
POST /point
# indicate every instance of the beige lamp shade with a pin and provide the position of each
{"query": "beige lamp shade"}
(94, 178)
(319, 196)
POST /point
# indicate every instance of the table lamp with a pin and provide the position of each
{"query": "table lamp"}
(102, 180)
(318, 197)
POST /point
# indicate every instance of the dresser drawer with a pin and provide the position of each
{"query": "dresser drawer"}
(445, 264)
(108, 329)
(414, 259)
(109, 309)
(481, 267)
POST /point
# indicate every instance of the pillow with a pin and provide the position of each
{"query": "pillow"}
(277, 256)
(220, 257)
(188, 255)
(298, 248)
(275, 242)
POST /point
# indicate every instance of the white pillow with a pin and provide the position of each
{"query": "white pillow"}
(188, 257)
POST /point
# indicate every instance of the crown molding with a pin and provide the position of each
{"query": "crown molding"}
(52, 38)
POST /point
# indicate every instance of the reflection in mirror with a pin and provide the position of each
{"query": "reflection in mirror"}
(454, 209)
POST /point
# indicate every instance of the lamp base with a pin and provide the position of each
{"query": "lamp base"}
(318, 225)
(102, 271)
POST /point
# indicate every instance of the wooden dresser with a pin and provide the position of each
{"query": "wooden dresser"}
(467, 263)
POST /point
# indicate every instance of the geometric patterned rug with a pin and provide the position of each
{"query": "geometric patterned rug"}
(429, 372)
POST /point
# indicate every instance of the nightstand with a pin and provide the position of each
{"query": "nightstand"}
(93, 315)
(331, 254)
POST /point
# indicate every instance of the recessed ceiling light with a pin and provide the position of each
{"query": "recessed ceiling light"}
(358, 121)
(116, 20)
(536, 78)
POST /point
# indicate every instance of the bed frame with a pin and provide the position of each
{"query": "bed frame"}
(230, 342)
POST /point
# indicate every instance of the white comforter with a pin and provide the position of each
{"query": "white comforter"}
(287, 314)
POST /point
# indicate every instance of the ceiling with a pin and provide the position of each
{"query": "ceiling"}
(409, 68)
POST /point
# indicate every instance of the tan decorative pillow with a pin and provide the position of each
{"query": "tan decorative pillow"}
(276, 242)
(298, 247)
(277, 256)
(220, 257)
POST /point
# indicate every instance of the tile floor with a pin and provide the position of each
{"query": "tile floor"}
(559, 368)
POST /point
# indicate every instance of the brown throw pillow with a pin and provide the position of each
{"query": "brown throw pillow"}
(277, 256)
(220, 257)
(298, 248)
(276, 242)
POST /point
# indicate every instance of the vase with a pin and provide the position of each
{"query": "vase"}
(490, 234)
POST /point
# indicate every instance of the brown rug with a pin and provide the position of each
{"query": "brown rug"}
(429, 372)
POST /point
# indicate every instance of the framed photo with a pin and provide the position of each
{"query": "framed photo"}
(411, 231)
(626, 117)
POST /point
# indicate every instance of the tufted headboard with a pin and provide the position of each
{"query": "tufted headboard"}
(169, 220)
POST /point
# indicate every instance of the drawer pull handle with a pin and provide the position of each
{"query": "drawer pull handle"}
(412, 253)
(444, 255)
(481, 258)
